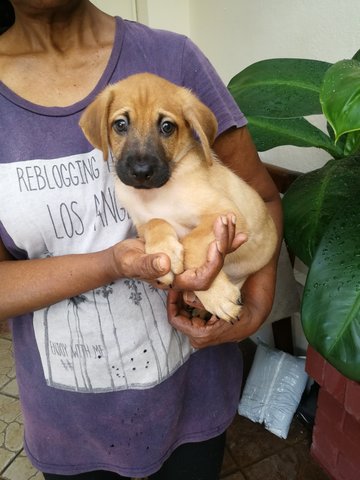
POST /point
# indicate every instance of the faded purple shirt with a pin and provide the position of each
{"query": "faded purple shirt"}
(105, 382)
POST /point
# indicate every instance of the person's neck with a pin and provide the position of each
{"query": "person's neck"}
(59, 30)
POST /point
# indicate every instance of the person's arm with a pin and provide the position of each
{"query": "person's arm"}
(28, 285)
(237, 150)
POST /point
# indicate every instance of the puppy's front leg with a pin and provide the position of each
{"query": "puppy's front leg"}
(160, 236)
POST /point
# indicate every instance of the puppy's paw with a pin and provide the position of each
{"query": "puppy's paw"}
(225, 303)
(166, 279)
(175, 251)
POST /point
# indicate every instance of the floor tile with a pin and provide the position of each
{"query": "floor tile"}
(7, 369)
(292, 463)
(11, 430)
(11, 389)
(5, 330)
(235, 476)
(249, 442)
(21, 469)
(297, 432)
(229, 466)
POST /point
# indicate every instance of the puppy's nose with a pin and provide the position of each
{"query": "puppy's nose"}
(142, 171)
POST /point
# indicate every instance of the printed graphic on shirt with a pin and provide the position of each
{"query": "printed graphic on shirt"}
(114, 337)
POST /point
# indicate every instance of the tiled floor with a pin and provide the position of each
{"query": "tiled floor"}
(252, 453)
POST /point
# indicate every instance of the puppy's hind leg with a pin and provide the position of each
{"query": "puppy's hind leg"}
(223, 297)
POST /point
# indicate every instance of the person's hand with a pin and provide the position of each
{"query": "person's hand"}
(130, 260)
(226, 241)
(257, 296)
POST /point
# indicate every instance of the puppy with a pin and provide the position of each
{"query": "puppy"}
(172, 184)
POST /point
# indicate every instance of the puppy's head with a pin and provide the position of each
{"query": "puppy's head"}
(149, 124)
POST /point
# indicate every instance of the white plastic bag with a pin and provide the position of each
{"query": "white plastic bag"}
(273, 389)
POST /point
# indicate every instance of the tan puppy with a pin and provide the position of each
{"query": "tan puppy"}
(172, 184)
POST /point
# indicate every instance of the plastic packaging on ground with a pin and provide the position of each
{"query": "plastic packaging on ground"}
(273, 389)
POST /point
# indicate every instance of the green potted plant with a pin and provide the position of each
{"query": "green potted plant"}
(322, 207)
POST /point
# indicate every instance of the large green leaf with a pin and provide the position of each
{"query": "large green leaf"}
(281, 88)
(340, 97)
(352, 143)
(357, 56)
(272, 132)
(331, 301)
(314, 199)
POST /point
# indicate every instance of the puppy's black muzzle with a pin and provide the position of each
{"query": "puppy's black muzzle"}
(142, 170)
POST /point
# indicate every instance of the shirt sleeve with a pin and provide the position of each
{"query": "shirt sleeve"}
(201, 77)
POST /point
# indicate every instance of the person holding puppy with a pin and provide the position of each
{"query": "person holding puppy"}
(113, 383)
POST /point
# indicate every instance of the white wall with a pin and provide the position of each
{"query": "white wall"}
(171, 15)
(236, 33)
(123, 8)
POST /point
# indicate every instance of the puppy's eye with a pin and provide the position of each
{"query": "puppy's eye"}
(167, 128)
(121, 125)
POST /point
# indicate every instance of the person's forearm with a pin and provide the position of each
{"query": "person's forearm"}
(259, 290)
(238, 152)
(28, 285)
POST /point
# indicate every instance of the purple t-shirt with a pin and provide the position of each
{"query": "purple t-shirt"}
(105, 382)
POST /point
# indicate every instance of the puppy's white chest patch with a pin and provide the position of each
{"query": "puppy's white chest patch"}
(165, 202)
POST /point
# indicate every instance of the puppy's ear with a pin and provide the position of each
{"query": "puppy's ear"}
(201, 119)
(94, 121)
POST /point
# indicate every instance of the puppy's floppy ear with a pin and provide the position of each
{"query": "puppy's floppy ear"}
(202, 121)
(94, 121)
